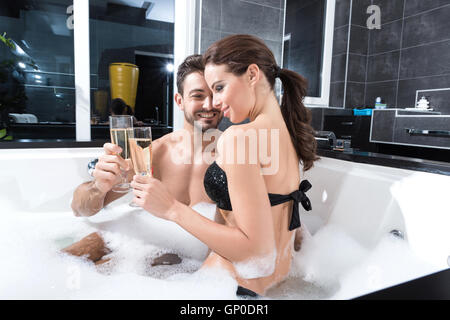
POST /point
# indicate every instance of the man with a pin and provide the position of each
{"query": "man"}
(184, 181)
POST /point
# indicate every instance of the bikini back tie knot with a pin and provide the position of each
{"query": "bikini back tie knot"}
(298, 196)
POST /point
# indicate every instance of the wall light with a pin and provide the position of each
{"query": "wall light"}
(169, 67)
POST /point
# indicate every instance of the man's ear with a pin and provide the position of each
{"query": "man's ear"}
(253, 73)
(179, 101)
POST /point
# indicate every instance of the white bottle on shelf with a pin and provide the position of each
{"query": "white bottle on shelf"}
(423, 104)
(378, 104)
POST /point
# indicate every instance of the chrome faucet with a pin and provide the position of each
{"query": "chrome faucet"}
(397, 233)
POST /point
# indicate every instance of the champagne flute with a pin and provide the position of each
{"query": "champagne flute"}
(120, 133)
(140, 143)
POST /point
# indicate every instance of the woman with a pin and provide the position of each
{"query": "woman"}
(255, 243)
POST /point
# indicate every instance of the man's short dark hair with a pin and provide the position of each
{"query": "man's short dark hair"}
(193, 63)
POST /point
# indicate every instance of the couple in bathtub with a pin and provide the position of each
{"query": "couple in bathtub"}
(258, 209)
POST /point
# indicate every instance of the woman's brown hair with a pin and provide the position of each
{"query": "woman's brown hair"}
(241, 50)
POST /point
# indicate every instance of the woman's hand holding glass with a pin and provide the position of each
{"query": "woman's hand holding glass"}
(107, 172)
(153, 196)
(140, 145)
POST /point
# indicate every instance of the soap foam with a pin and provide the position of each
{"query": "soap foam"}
(140, 225)
(256, 267)
(330, 264)
(325, 256)
(33, 266)
(333, 265)
(391, 262)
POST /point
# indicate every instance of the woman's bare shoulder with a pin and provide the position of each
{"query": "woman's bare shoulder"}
(246, 128)
(238, 145)
(245, 131)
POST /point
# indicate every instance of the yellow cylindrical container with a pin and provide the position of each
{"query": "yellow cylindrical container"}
(123, 79)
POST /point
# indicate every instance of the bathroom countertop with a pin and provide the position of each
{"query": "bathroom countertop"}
(43, 136)
(388, 160)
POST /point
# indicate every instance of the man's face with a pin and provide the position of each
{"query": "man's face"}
(196, 103)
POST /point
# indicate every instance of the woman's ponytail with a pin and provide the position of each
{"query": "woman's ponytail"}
(297, 117)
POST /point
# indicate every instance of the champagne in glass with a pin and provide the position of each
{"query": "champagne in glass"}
(140, 143)
(141, 150)
(120, 138)
(120, 135)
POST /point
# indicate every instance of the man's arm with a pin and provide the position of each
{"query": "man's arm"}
(90, 197)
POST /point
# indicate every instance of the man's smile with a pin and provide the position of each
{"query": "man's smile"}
(207, 115)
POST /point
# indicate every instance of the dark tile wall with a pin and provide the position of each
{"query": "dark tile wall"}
(349, 61)
(410, 52)
(263, 18)
(420, 36)
(358, 64)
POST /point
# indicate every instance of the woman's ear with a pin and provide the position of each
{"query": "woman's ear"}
(253, 73)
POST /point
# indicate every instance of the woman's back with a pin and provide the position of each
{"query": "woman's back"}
(259, 194)
(287, 176)
(280, 176)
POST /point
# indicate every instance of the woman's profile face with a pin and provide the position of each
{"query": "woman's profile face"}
(231, 93)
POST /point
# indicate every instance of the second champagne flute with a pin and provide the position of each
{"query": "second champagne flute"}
(140, 143)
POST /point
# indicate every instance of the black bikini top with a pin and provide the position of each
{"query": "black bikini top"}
(216, 186)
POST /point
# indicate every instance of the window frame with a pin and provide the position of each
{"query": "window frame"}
(324, 99)
(82, 67)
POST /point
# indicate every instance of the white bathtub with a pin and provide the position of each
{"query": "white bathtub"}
(365, 202)
(369, 201)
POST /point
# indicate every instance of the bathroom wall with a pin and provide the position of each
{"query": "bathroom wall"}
(410, 52)
(263, 18)
(414, 43)
(348, 88)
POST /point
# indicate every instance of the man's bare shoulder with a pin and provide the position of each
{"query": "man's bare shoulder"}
(161, 147)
